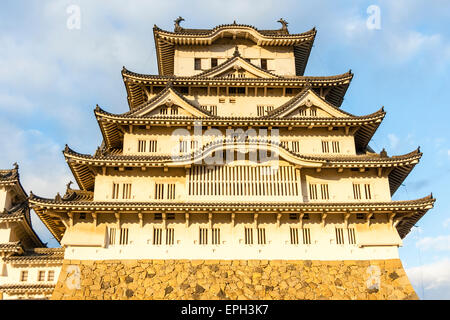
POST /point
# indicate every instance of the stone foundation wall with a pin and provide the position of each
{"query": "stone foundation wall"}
(236, 279)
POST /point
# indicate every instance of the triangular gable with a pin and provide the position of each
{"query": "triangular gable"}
(168, 99)
(308, 104)
(237, 67)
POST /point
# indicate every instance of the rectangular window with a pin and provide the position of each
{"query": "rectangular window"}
(203, 236)
(261, 235)
(295, 146)
(197, 64)
(248, 236)
(41, 276)
(174, 110)
(313, 112)
(183, 146)
(163, 110)
(159, 191)
(215, 236)
(171, 191)
(294, 235)
(170, 236)
(324, 192)
(158, 216)
(126, 192)
(152, 145)
(123, 236)
(325, 147)
(313, 191)
(302, 112)
(263, 110)
(213, 62)
(264, 64)
(157, 236)
(351, 236)
(24, 276)
(336, 147)
(213, 110)
(194, 145)
(142, 145)
(360, 216)
(115, 191)
(112, 236)
(293, 216)
(339, 235)
(170, 216)
(51, 275)
(367, 192)
(306, 233)
(356, 191)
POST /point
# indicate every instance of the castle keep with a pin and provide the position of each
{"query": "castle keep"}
(233, 175)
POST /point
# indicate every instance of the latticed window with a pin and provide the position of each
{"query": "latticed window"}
(294, 235)
(123, 240)
(295, 146)
(339, 235)
(51, 275)
(157, 236)
(248, 235)
(118, 236)
(325, 147)
(24, 276)
(313, 191)
(313, 112)
(335, 146)
(360, 190)
(159, 191)
(264, 64)
(261, 235)
(203, 236)
(306, 235)
(351, 236)
(324, 192)
(152, 144)
(41, 276)
(163, 110)
(243, 181)
(171, 191)
(142, 145)
(126, 192)
(115, 191)
(197, 64)
(264, 110)
(170, 232)
(215, 236)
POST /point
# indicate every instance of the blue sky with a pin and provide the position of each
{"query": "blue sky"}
(51, 78)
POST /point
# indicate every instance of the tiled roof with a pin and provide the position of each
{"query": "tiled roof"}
(11, 247)
(165, 42)
(10, 175)
(403, 208)
(134, 81)
(38, 256)
(27, 288)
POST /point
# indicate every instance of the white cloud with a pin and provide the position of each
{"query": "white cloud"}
(446, 223)
(394, 141)
(439, 243)
(433, 278)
